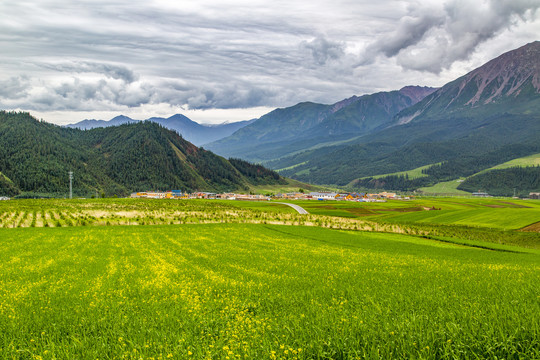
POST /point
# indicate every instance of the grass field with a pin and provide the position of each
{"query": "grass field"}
(412, 174)
(531, 160)
(447, 188)
(243, 291)
(432, 278)
(491, 220)
(488, 213)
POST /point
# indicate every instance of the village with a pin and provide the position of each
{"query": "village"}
(341, 196)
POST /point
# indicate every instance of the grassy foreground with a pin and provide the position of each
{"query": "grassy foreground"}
(248, 291)
(433, 278)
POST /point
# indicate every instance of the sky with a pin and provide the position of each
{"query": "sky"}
(231, 60)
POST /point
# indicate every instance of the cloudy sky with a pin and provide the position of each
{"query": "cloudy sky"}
(230, 60)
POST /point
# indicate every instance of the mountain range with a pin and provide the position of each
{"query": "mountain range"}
(488, 116)
(475, 116)
(35, 158)
(306, 125)
(198, 134)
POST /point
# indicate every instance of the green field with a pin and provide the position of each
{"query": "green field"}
(444, 188)
(412, 174)
(291, 186)
(261, 292)
(479, 212)
(151, 279)
(531, 160)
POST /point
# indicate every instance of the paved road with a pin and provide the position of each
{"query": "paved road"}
(300, 209)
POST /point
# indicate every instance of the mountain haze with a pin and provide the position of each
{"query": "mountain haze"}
(91, 124)
(190, 130)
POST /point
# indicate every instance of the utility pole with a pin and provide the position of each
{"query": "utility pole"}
(70, 184)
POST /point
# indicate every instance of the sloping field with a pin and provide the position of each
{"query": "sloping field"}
(444, 188)
(531, 160)
(244, 291)
(412, 174)
(450, 187)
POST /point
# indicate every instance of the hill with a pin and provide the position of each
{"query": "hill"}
(190, 130)
(519, 181)
(35, 157)
(93, 123)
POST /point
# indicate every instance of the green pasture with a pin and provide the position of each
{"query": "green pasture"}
(500, 218)
(412, 174)
(444, 188)
(246, 291)
(479, 212)
(531, 160)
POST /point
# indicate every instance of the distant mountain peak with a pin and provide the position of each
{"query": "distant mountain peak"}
(122, 118)
(192, 131)
(417, 93)
(179, 117)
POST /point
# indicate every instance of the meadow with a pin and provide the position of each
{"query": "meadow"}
(234, 280)
(448, 188)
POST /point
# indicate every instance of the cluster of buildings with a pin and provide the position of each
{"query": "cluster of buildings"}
(178, 194)
(345, 196)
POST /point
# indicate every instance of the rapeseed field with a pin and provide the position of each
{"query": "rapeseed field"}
(261, 291)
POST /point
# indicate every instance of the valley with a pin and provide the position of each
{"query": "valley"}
(287, 180)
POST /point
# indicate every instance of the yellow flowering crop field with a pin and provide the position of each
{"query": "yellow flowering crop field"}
(257, 291)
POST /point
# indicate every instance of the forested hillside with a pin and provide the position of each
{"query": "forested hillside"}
(35, 158)
(463, 167)
(505, 182)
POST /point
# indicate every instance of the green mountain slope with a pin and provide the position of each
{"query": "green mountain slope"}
(505, 182)
(283, 132)
(36, 157)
